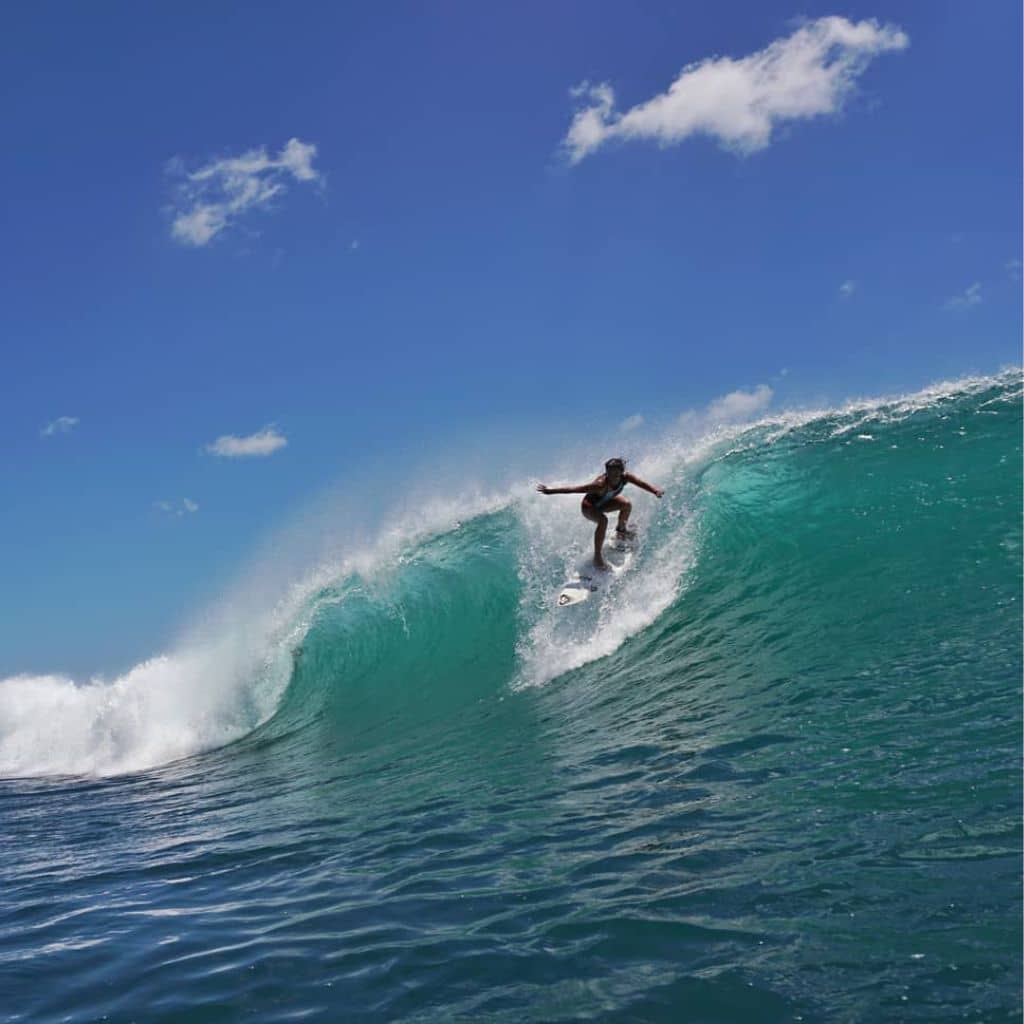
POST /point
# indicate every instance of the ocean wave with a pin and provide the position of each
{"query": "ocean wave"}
(785, 521)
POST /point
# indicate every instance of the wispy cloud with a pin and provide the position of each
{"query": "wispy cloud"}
(735, 407)
(739, 101)
(61, 425)
(971, 296)
(263, 442)
(186, 506)
(1013, 269)
(212, 198)
(740, 405)
(631, 423)
(847, 288)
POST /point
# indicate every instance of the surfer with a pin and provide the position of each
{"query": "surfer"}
(603, 495)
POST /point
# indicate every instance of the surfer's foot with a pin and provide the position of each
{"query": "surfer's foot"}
(601, 564)
(624, 531)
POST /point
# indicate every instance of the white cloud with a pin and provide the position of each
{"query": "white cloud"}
(263, 442)
(740, 405)
(971, 296)
(735, 407)
(1013, 268)
(630, 423)
(847, 288)
(189, 505)
(738, 102)
(353, 245)
(61, 425)
(210, 199)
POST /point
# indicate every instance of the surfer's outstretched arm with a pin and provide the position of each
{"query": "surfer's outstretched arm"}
(581, 489)
(643, 484)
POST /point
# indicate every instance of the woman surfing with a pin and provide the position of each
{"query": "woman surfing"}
(603, 495)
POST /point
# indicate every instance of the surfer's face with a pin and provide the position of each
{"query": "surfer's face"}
(614, 473)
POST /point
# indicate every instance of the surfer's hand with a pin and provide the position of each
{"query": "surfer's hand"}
(543, 488)
(658, 492)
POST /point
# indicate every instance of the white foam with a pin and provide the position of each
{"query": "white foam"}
(152, 714)
(197, 697)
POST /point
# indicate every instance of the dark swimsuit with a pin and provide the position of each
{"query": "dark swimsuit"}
(597, 499)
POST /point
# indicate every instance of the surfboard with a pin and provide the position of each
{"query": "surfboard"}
(618, 553)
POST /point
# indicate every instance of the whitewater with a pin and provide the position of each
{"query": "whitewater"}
(773, 773)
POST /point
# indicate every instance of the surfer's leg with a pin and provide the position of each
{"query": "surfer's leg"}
(623, 506)
(602, 528)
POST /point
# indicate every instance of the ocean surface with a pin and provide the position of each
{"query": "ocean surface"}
(773, 774)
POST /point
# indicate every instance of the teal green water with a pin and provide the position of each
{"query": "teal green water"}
(775, 775)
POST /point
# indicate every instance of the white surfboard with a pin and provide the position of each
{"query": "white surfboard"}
(618, 553)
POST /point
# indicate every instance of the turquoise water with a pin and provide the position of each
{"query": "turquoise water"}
(774, 775)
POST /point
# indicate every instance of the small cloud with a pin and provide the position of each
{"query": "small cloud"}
(957, 237)
(61, 425)
(1013, 268)
(263, 442)
(971, 296)
(847, 288)
(213, 197)
(176, 508)
(740, 405)
(738, 102)
(630, 423)
(784, 372)
(735, 407)
(353, 245)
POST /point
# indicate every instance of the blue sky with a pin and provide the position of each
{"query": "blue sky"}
(255, 251)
